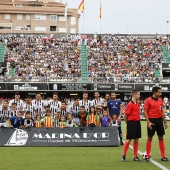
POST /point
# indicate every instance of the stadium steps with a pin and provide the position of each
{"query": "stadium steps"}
(84, 74)
(157, 73)
(2, 52)
(165, 54)
(11, 72)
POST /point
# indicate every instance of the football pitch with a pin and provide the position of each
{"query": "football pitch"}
(82, 158)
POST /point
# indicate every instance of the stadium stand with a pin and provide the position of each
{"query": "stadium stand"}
(103, 58)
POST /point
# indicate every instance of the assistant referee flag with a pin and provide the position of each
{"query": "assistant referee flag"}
(81, 6)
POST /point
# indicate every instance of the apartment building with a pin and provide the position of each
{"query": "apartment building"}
(37, 16)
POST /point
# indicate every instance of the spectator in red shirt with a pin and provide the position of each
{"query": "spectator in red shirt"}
(153, 111)
(132, 118)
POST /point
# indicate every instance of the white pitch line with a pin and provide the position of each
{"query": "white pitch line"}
(151, 160)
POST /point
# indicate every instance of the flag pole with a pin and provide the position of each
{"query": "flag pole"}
(100, 25)
(83, 22)
(100, 16)
(66, 17)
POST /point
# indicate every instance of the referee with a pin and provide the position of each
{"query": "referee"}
(132, 118)
(153, 111)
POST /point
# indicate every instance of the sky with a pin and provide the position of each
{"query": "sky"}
(124, 16)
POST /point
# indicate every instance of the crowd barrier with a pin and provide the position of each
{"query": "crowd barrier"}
(97, 136)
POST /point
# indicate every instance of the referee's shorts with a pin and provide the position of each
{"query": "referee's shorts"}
(158, 127)
(133, 130)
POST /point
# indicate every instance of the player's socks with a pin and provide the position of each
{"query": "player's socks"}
(135, 149)
(148, 148)
(125, 148)
(162, 148)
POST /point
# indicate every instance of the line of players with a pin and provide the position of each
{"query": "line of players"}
(97, 112)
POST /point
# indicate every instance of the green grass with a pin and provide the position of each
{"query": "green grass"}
(81, 158)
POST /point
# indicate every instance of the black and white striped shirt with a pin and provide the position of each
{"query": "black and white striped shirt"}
(74, 109)
(28, 122)
(39, 105)
(54, 106)
(29, 107)
(64, 112)
(96, 102)
(4, 114)
(13, 112)
(20, 103)
(86, 104)
(56, 121)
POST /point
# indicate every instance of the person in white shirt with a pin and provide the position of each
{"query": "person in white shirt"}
(97, 102)
(74, 108)
(14, 110)
(39, 105)
(63, 110)
(106, 99)
(85, 102)
(54, 104)
(72, 122)
(28, 106)
(18, 101)
(165, 99)
(4, 114)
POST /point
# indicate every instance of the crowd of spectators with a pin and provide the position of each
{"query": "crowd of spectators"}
(127, 59)
(40, 58)
(110, 58)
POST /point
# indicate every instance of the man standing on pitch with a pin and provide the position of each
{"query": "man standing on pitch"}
(115, 107)
(132, 118)
(154, 115)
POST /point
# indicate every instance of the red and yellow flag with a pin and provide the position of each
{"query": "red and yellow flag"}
(100, 14)
(81, 6)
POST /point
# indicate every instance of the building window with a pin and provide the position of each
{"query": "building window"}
(72, 30)
(19, 16)
(42, 29)
(40, 17)
(62, 30)
(28, 27)
(19, 28)
(28, 17)
(7, 16)
(53, 28)
(62, 18)
(73, 21)
(53, 17)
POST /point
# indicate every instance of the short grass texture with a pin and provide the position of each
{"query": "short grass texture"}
(80, 158)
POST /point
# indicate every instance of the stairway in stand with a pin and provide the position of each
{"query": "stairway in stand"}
(84, 67)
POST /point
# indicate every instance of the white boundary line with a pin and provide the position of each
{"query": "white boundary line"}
(151, 160)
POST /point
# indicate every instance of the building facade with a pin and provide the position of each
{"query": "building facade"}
(37, 16)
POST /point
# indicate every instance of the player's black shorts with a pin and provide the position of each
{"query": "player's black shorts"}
(158, 127)
(133, 130)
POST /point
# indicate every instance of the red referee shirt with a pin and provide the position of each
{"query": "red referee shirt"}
(133, 111)
(154, 107)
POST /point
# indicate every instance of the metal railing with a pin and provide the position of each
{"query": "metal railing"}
(90, 79)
